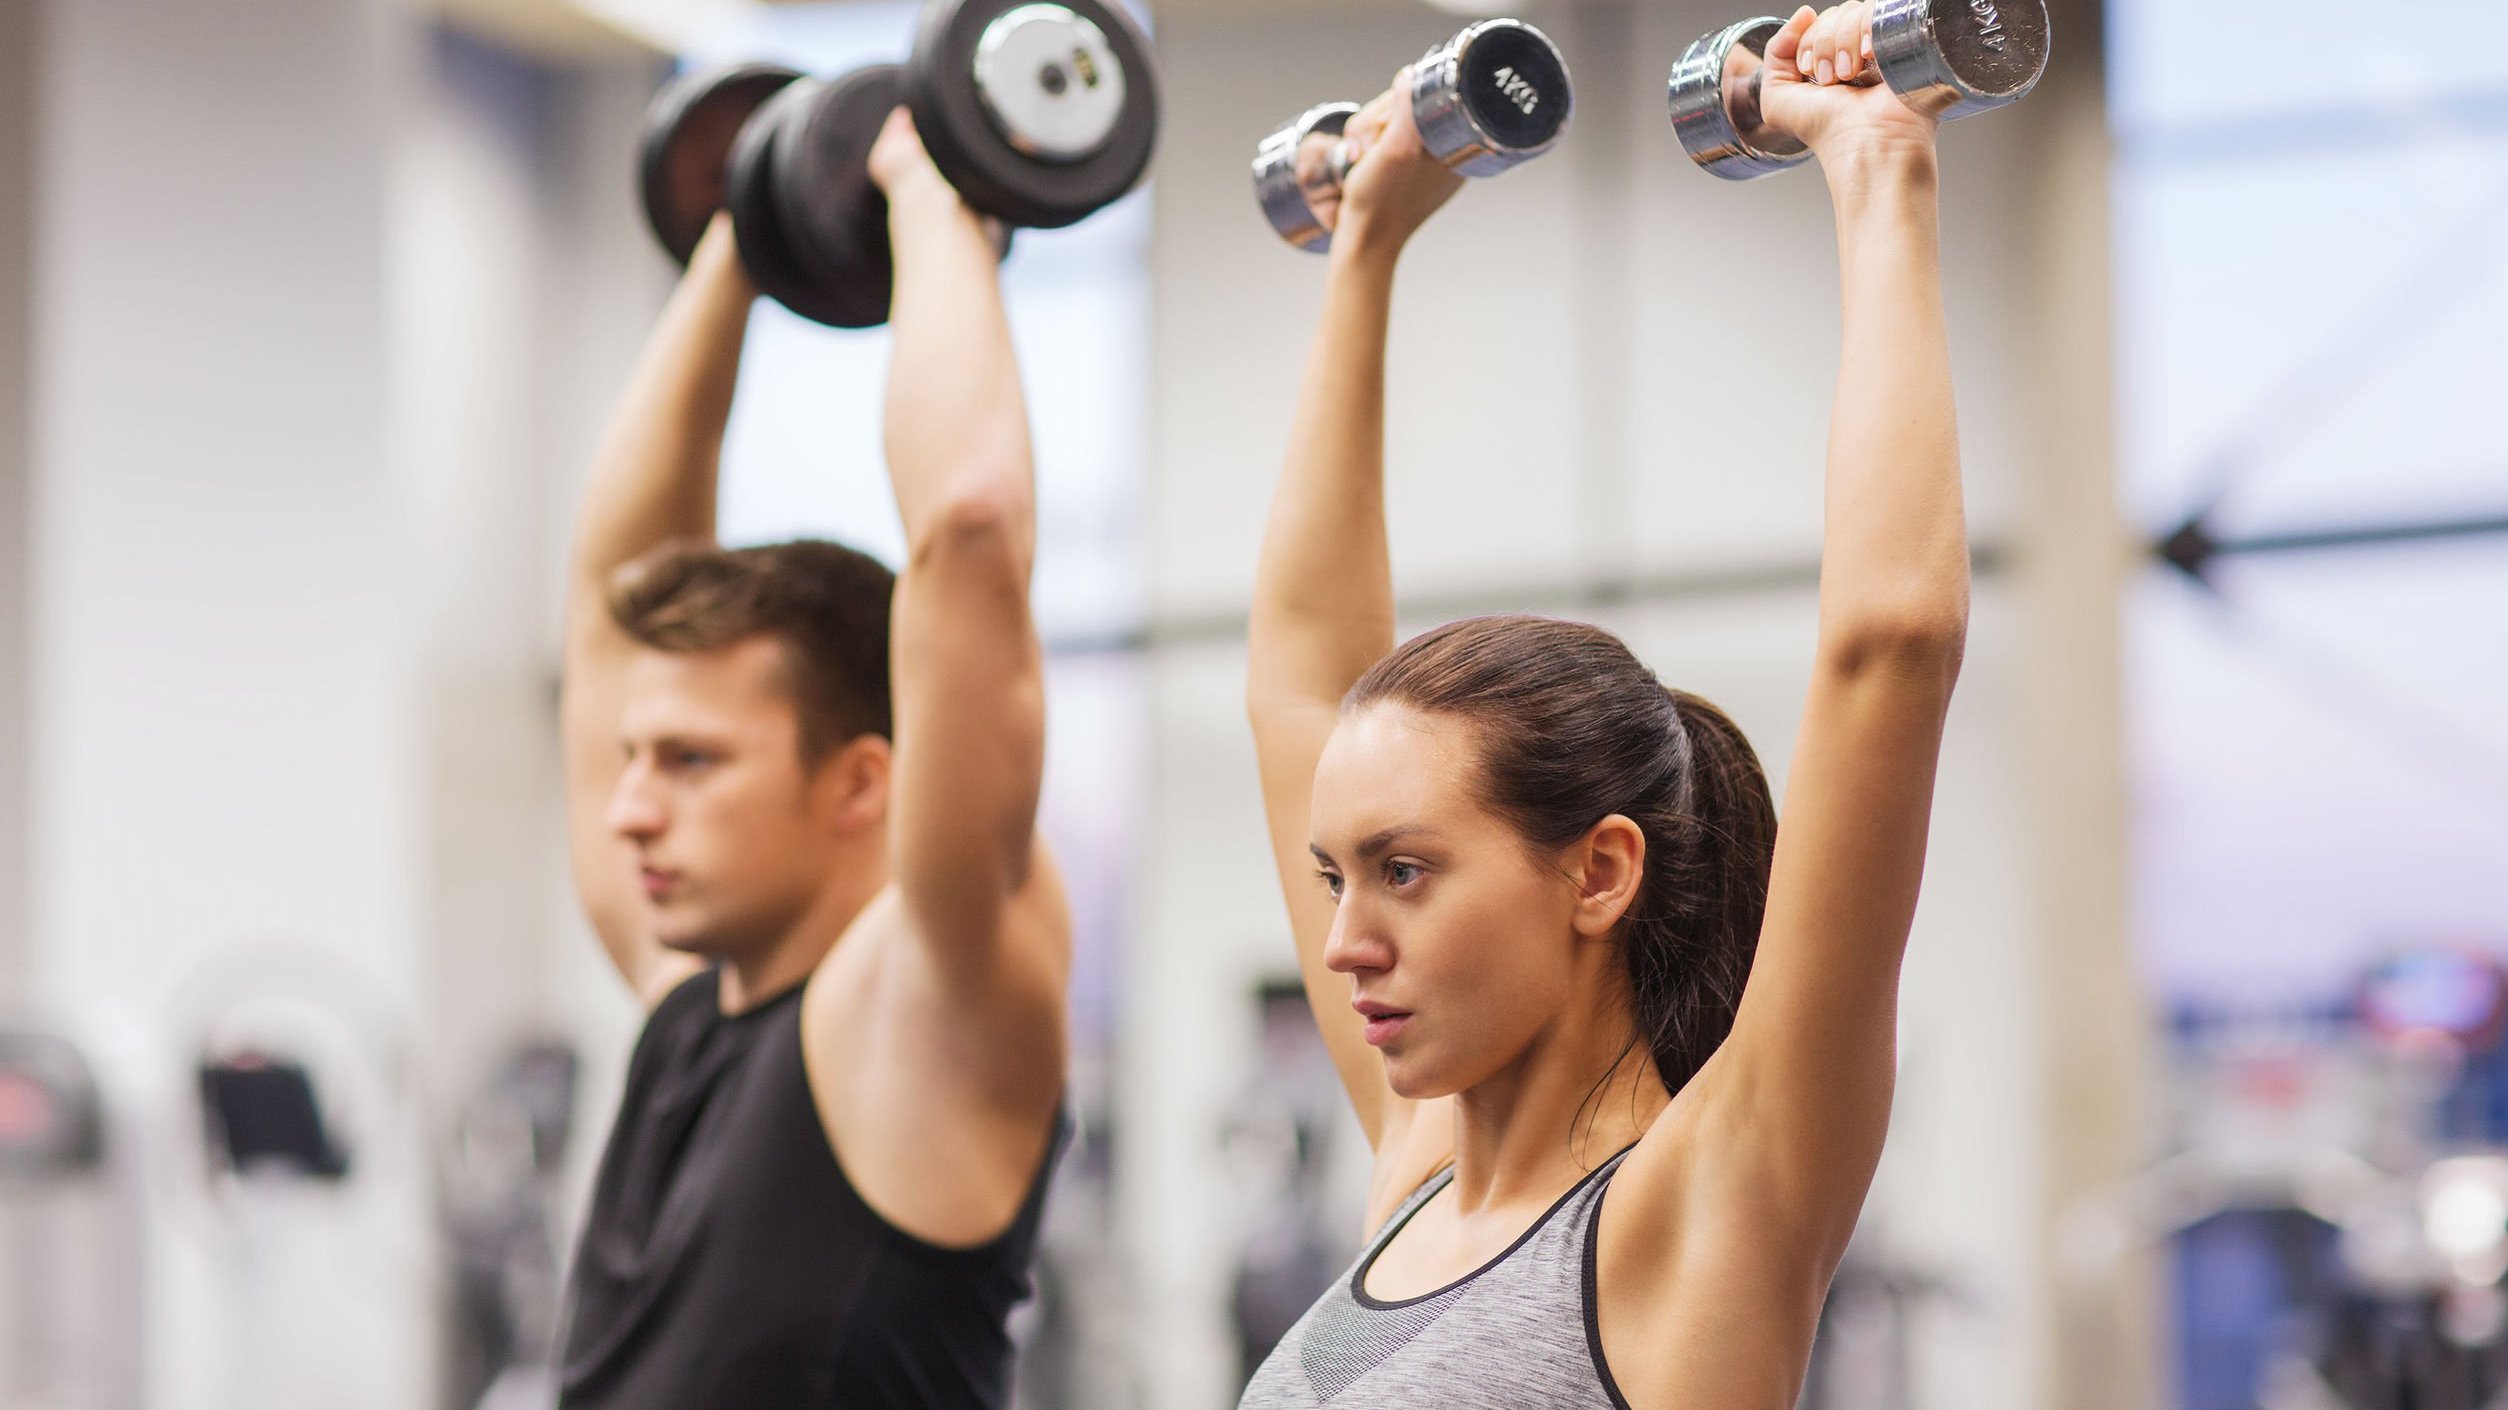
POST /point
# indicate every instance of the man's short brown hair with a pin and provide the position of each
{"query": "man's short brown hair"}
(827, 604)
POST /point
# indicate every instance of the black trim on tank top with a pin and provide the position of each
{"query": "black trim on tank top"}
(1358, 1276)
(1593, 1304)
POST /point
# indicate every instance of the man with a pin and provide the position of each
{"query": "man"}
(826, 1177)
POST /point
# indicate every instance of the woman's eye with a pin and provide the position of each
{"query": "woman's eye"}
(1402, 873)
(1332, 883)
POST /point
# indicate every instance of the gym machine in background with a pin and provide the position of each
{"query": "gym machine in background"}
(75, 1223)
(2334, 1201)
(1040, 114)
(501, 1178)
(311, 1155)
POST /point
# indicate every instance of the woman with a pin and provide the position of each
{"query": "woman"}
(1528, 882)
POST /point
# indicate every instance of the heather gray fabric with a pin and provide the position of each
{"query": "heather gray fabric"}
(1516, 1335)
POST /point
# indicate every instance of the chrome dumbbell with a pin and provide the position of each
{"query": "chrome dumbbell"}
(1492, 97)
(1951, 58)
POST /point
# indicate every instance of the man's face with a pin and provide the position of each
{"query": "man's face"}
(734, 838)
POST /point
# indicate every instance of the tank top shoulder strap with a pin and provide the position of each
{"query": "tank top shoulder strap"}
(1572, 1232)
(1428, 1188)
(1588, 1202)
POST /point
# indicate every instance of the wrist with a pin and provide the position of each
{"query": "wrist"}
(926, 196)
(1866, 169)
(1361, 244)
(715, 263)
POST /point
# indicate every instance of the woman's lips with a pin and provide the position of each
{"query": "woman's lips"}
(1384, 1022)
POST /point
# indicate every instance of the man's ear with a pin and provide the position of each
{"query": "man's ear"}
(1609, 866)
(850, 786)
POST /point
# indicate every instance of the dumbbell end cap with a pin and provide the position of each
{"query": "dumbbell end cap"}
(1493, 97)
(1955, 58)
(1714, 96)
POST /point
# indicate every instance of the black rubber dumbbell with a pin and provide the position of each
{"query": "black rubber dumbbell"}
(1040, 112)
(1493, 97)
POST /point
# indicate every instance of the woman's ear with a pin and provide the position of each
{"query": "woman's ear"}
(850, 788)
(1609, 868)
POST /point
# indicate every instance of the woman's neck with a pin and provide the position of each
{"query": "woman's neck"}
(1578, 1096)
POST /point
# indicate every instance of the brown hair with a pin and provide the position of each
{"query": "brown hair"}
(827, 605)
(1572, 729)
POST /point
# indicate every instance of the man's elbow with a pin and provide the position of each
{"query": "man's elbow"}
(990, 519)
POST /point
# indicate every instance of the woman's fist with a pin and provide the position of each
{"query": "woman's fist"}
(1393, 184)
(1822, 85)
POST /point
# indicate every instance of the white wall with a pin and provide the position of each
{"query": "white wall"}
(331, 310)
(520, 284)
(224, 731)
(17, 176)
(1603, 363)
(225, 745)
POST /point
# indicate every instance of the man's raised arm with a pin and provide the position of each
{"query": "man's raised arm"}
(968, 672)
(653, 482)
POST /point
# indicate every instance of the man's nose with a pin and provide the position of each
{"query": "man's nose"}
(635, 813)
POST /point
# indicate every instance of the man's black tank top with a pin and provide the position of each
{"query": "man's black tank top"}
(729, 1265)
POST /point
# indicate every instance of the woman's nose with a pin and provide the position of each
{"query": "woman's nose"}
(1353, 945)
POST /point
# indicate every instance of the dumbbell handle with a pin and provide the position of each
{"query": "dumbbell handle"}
(1869, 76)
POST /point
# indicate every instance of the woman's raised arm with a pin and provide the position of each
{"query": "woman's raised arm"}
(1323, 591)
(1799, 1097)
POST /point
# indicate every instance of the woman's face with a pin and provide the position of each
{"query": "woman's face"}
(1461, 945)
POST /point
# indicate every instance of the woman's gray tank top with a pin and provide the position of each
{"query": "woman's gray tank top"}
(1517, 1334)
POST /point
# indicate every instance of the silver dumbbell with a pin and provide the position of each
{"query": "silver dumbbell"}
(1492, 97)
(1951, 58)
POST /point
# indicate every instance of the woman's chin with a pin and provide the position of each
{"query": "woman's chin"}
(1415, 1081)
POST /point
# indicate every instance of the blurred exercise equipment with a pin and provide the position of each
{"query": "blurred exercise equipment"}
(2336, 1199)
(74, 1226)
(501, 1199)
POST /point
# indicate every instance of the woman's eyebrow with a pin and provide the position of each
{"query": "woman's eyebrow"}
(1379, 843)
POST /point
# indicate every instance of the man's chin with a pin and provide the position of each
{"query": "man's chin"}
(685, 940)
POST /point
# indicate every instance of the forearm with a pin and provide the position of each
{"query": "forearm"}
(968, 672)
(957, 422)
(654, 477)
(1323, 590)
(1895, 556)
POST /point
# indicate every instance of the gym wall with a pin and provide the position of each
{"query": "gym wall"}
(18, 109)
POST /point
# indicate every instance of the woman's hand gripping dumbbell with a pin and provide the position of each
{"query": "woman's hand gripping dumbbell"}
(1941, 58)
(1495, 96)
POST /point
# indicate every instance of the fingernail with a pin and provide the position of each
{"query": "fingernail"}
(1826, 75)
